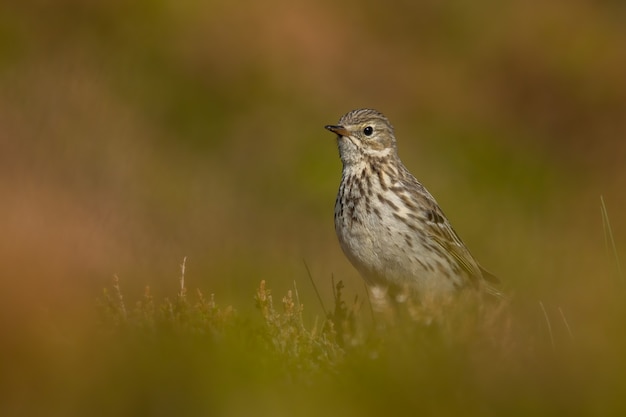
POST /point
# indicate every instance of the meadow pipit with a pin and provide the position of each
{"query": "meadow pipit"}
(389, 226)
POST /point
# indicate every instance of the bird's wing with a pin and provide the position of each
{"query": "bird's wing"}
(441, 232)
(446, 237)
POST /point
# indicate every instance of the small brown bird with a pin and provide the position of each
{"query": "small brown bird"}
(389, 226)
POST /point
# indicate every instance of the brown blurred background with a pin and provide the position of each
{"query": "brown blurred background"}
(133, 134)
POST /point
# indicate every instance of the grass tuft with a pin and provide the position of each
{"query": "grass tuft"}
(463, 355)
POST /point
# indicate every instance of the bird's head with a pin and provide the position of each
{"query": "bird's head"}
(362, 133)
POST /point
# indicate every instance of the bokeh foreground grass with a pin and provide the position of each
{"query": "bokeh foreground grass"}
(187, 355)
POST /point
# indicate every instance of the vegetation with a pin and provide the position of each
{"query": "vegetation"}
(478, 358)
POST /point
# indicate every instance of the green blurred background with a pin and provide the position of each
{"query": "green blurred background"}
(133, 134)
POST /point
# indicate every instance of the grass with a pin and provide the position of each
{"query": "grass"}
(185, 354)
(611, 248)
(474, 358)
(188, 355)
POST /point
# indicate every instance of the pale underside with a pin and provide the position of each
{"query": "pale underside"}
(393, 232)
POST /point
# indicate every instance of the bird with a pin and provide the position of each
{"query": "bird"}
(389, 226)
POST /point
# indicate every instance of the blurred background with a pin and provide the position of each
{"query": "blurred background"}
(133, 134)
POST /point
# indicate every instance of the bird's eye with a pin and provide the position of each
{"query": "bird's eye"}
(368, 131)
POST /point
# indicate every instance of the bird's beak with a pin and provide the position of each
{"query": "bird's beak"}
(339, 130)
